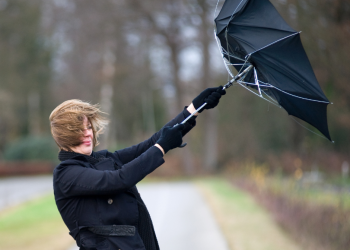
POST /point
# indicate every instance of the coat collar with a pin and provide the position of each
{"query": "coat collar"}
(93, 158)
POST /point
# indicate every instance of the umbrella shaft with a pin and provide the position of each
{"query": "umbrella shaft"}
(195, 112)
(237, 77)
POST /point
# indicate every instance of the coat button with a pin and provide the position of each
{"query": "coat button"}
(110, 201)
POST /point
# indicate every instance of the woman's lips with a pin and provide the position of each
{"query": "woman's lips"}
(88, 143)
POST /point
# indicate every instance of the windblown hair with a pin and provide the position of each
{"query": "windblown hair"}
(66, 122)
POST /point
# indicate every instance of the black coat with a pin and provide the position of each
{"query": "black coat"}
(100, 194)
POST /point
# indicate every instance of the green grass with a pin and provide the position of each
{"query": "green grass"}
(318, 194)
(29, 214)
(30, 225)
(244, 223)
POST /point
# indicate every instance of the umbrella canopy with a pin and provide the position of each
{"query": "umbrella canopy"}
(251, 32)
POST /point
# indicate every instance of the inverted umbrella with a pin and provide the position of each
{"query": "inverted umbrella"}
(269, 57)
(253, 34)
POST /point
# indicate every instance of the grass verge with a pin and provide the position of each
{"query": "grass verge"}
(317, 218)
(35, 225)
(244, 223)
(321, 194)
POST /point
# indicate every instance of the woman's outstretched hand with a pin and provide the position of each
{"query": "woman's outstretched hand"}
(171, 137)
(211, 96)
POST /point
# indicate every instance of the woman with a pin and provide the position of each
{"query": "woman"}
(95, 192)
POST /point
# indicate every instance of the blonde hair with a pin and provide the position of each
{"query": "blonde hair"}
(66, 122)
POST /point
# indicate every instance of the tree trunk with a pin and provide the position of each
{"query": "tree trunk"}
(186, 155)
(106, 106)
(34, 112)
(210, 129)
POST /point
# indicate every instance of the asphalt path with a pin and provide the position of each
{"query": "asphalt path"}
(181, 218)
(16, 190)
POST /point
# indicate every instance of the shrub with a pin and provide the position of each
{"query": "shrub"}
(31, 148)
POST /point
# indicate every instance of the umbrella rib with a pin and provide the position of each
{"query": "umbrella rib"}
(228, 70)
(254, 84)
(224, 52)
(226, 28)
(294, 75)
(322, 136)
(231, 17)
(221, 51)
(257, 81)
(216, 8)
(249, 83)
(273, 100)
(251, 46)
(240, 83)
(267, 85)
(275, 42)
(304, 98)
(245, 62)
(235, 64)
(230, 55)
(262, 27)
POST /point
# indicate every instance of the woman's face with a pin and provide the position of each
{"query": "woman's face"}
(87, 140)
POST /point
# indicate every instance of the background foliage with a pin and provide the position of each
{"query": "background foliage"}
(143, 61)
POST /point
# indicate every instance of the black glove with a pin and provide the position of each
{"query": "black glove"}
(211, 96)
(171, 137)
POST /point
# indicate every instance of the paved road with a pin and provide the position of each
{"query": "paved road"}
(181, 218)
(16, 190)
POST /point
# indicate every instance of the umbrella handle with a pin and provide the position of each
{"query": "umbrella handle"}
(183, 144)
(189, 117)
(195, 112)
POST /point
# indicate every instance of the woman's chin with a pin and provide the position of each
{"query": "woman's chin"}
(88, 150)
(83, 149)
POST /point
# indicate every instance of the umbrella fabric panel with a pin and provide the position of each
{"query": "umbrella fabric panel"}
(253, 13)
(256, 26)
(235, 55)
(252, 32)
(233, 49)
(261, 13)
(228, 10)
(314, 113)
(233, 52)
(285, 65)
(252, 39)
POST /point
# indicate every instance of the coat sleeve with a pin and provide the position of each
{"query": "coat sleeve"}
(74, 179)
(128, 154)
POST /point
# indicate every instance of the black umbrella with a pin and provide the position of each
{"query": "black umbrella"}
(270, 59)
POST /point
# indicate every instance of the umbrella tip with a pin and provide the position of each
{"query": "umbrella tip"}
(333, 141)
(331, 102)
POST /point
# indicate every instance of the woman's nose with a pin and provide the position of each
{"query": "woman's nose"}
(87, 132)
